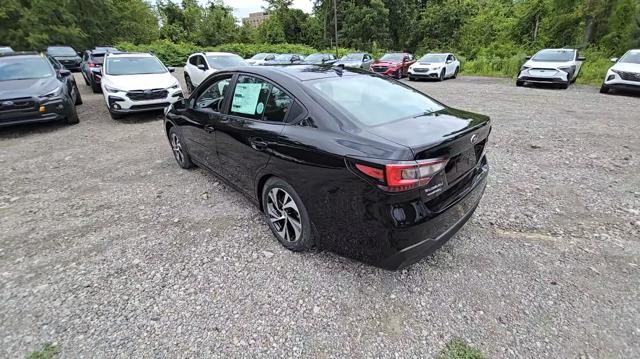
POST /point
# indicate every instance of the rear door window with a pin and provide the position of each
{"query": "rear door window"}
(257, 99)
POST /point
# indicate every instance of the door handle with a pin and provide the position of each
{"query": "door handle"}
(258, 144)
(209, 128)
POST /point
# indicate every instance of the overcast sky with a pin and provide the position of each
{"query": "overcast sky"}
(242, 8)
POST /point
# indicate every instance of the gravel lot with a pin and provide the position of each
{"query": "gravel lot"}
(110, 250)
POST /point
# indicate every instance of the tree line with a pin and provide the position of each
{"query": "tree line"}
(473, 28)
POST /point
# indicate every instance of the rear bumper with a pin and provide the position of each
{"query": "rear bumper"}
(56, 110)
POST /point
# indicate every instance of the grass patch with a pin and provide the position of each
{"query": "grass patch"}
(48, 351)
(458, 349)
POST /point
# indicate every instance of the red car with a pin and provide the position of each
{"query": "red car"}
(394, 64)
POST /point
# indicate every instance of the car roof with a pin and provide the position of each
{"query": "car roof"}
(21, 53)
(562, 49)
(69, 46)
(298, 72)
(437, 53)
(130, 54)
(217, 54)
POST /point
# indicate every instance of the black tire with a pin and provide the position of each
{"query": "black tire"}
(78, 96)
(180, 152)
(604, 89)
(84, 77)
(455, 74)
(519, 83)
(95, 88)
(72, 119)
(442, 75)
(187, 80)
(115, 116)
(565, 85)
(411, 78)
(284, 228)
(398, 74)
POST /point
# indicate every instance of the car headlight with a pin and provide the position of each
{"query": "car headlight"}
(615, 71)
(175, 86)
(112, 89)
(525, 67)
(567, 69)
(54, 93)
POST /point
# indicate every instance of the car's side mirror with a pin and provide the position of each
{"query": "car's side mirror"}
(171, 69)
(528, 57)
(201, 67)
(582, 58)
(615, 59)
(64, 72)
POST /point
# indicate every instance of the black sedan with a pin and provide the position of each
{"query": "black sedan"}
(66, 55)
(338, 159)
(36, 88)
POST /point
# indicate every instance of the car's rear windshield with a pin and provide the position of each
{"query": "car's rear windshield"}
(554, 55)
(224, 61)
(24, 68)
(372, 100)
(433, 58)
(61, 51)
(97, 58)
(134, 66)
(631, 58)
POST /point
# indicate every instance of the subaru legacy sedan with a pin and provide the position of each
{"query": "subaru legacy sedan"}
(338, 159)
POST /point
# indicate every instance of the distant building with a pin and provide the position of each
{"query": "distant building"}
(256, 18)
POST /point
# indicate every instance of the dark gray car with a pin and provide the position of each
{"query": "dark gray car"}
(360, 60)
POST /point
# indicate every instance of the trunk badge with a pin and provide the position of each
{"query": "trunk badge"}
(474, 138)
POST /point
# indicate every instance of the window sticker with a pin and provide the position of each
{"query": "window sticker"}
(245, 98)
(260, 108)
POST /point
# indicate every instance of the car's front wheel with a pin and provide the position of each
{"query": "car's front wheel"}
(442, 74)
(455, 74)
(179, 150)
(78, 100)
(604, 89)
(519, 83)
(72, 118)
(287, 216)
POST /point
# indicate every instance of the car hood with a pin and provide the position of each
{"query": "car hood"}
(140, 82)
(627, 67)
(28, 88)
(425, 64)
(548, 64)
(387, 63)
(431, 129)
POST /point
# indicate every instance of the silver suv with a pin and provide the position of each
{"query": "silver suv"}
(551, 66)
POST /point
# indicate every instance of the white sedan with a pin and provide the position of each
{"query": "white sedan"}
(625, 74)
(435, 66)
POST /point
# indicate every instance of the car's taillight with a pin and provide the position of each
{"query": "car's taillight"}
(399, 177)
(91, 64)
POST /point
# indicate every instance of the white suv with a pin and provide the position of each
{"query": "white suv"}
(625, 74)
(551, 66)
(200, 65)
(435, 66)
(137, 82)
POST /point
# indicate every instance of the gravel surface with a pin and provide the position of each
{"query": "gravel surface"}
(110, 250)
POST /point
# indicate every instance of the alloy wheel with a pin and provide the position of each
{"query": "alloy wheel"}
(176, 145)
(284, 214)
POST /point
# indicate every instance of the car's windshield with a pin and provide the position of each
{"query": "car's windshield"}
(372, 100)
(433, 58)
(61, 51)
(315, 58)
(106, 49)
(631, 58)
(4, 49)
(260, 56)
(97, 58)
(21, 68)
(223, 61)
(392, 57)
(284, 57)
(352, 57)
(554, 55)
(134, 66)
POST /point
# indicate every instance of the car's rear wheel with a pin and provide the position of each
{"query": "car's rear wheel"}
(84, 77)
(179, 150)
(187, 80)
(95, 88)
(287, 216)
(442, 74)
(78, 97)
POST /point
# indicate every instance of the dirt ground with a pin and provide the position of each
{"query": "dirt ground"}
(108, 249)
